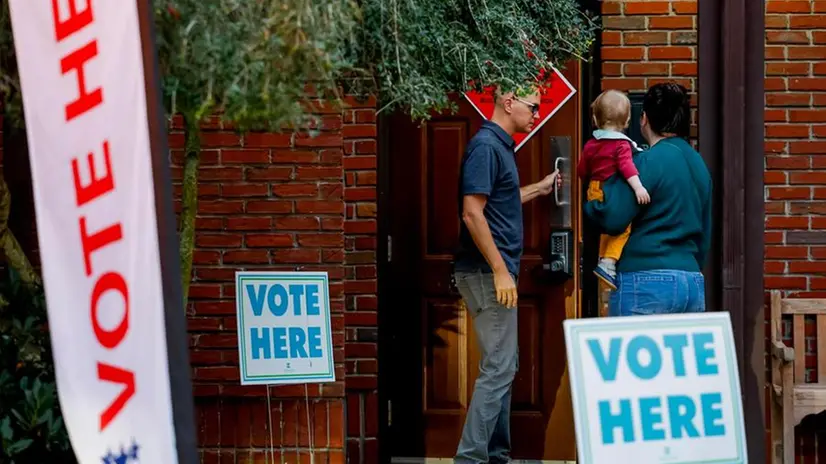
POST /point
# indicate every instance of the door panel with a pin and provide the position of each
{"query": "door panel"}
(435, 359)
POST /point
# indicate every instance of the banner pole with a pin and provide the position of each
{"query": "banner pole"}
(183, 410)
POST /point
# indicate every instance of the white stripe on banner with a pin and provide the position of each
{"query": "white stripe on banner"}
(82, 76)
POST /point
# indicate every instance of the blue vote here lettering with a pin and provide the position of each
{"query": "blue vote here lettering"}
(672, 416)
(291, 302)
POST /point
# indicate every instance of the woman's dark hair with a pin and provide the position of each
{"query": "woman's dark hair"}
(668, 109)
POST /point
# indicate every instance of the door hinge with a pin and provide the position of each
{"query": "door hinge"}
(581, 263)
(389, 413)
(389, 248)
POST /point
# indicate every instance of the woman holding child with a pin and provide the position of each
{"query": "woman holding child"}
(655, 210)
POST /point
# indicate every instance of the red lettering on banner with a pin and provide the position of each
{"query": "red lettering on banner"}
(97, 186)
(116, 375)
(69, 19)
(110, 281)
(76, 21)
(96, 241)
(85, 100)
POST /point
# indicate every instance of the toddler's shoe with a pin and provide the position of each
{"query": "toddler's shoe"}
(606, 275)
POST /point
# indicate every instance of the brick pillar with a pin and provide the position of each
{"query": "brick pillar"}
(361, 318)
(795, 145)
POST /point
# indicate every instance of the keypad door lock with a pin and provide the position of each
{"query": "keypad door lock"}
(561, 254)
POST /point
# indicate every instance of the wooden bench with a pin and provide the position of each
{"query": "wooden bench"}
(792, 397)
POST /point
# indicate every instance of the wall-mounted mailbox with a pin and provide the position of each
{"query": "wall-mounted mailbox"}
(634, 131)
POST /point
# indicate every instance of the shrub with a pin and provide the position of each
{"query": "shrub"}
(31, 427)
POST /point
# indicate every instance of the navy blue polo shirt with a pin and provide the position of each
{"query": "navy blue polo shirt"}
(489, 168)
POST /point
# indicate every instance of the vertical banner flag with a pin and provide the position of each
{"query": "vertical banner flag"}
(103, 204)
(661, 389)
(284, 334)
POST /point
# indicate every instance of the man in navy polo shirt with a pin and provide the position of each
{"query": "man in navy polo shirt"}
(487, 268)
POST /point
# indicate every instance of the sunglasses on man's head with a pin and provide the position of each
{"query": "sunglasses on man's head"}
(533, 106)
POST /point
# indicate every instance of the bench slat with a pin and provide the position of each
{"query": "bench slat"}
(821, 348)
(808, 399)
(803, 306)
(799, 348)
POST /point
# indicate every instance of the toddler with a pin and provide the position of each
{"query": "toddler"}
(609, 152)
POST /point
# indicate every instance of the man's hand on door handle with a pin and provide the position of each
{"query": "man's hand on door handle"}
(550, 181)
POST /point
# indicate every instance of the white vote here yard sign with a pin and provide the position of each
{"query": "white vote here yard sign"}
(656, 389)
(284, 332)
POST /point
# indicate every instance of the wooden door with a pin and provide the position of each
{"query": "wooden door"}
(434, 354)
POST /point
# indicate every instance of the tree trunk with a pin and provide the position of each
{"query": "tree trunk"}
(189, 201)
(15, 257)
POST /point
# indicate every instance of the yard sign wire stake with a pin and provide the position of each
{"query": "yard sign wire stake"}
(307, 324)
(309, 425)
(310, 429)
(269, 415)
(220, 441)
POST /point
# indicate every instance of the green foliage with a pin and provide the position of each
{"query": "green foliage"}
(11, 107)
(421, 51)
(251, 61)
(31, 427)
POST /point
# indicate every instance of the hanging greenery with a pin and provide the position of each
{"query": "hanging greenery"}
(422, 51)
(263, 65)
(252, 63)
(11, 106)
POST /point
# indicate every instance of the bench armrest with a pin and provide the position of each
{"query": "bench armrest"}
(782, 352)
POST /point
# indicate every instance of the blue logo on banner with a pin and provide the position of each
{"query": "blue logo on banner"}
(129, 456)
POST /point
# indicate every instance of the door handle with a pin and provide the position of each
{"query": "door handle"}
(557, 187)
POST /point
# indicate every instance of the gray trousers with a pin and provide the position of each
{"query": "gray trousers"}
(486, 436)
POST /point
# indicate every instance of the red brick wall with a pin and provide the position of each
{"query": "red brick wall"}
(286, 202)
(648, 41)
(796, 141)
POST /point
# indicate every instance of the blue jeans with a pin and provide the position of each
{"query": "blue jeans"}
(658, 292)
(486, 435)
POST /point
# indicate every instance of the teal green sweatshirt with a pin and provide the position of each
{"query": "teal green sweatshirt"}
(673, 231)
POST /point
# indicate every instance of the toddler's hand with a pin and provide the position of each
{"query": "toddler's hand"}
(642, 196)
